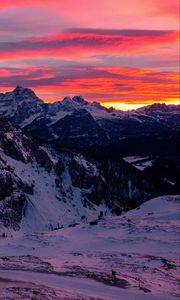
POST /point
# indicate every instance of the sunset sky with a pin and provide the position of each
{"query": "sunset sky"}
(111, 51)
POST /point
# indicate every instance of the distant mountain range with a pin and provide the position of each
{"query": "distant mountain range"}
(80, 124)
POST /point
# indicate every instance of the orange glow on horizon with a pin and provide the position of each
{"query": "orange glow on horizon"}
(131, 106)
(51, 94)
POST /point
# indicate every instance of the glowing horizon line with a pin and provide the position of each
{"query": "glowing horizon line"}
(130, 106)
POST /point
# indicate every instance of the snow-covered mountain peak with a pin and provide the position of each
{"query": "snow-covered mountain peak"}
(99, 106)
(19, 95)
(158, 107)
(68, 104)
(80, 100)
(22, 93)
(66, 100)
(20, 104)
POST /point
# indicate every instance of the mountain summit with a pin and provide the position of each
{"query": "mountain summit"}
(22, 92)
(20, 104)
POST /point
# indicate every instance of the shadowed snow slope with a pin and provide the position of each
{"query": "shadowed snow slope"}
(141, 246)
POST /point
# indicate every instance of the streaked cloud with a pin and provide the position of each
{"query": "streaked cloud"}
(57, 47)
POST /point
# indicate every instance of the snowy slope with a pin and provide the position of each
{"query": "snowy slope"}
(139, 162)
(49, 205)
(142, 247)
(40, 188)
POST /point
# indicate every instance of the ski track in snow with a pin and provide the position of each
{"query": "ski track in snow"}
(142, 246)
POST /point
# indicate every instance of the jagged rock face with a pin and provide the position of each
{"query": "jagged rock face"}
(17, 145)
(6, 184)
(16, 148)
(43, 188)
(79, 175)
(87, 176)
(12, 197)
(13, 141)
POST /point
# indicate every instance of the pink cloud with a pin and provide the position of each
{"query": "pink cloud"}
(91, 58)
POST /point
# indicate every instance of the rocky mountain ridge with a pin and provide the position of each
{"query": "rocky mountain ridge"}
(84, 120)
